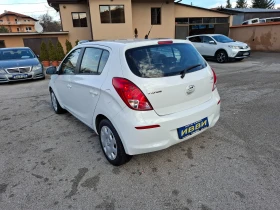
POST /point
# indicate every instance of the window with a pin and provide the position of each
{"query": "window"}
(163, 60)
(221, 20)
(209, 20)
(69, 64)
(15, 20)
(24, 20)
(207, 39)
(16, 54)
(79, 19)
(28, 20)
(195, 39)
(182, 20)
(112, 14)
(155, 16)
(195, 20)
(28, 29)
(94, 61)
(17, 29)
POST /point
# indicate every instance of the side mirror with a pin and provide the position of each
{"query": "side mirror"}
(212, 42)
(51, 70)
(38, 56)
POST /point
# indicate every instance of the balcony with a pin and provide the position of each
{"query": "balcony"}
(11, 23)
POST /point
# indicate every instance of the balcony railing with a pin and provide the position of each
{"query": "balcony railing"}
(16, 23)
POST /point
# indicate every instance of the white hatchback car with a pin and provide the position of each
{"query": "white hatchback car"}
(220, 47)
(138, 95)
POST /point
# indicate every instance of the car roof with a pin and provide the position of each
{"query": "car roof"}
(15, 48)
(127, 43)
(207, 35)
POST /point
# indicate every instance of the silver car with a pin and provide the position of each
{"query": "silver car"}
(18, 64)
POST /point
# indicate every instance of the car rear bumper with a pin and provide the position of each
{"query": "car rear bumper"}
(4, 78)
(149, 140)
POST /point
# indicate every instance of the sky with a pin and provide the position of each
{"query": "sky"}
(35, 8)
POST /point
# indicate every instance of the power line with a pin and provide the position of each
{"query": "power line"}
(26, 3)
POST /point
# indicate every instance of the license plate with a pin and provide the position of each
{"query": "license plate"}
(20, 76)
(246, 53)
(192, 128)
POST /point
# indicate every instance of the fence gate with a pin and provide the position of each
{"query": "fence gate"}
(35, 43)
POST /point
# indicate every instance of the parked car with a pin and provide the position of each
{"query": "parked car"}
(18, 64)
(251, 21)
(139, 95)
(220, 47)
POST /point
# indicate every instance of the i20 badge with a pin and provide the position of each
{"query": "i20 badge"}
(190, 89)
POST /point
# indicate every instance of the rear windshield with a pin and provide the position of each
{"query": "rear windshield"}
(163, 60)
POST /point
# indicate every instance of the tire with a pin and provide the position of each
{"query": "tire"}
(55, 104)
(239, 59)
(111, 144)
(221, 56)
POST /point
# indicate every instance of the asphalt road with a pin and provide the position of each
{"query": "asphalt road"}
(50, 161)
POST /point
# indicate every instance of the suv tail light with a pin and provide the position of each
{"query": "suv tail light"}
(215, 80)
(131, 95)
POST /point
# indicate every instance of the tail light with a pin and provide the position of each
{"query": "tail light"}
(131, 95)
(215, 80)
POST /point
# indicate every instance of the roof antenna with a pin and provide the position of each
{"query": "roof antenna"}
(147, 35)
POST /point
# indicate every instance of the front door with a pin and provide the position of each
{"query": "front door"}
(88, 81)
(63, 82)
(208, 46)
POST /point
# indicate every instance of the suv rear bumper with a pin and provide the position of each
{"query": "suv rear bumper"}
(154, 139)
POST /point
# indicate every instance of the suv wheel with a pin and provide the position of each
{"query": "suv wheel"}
(221, 56)
(55, 104)
(111, 144)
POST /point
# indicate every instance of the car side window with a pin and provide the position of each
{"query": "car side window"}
(69, 64)
(103, 61)
(93, 61)
(195, 39)
(207, 39)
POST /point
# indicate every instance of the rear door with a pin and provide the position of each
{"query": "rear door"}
(63, 82)
(88, 81)
(157, 71)
(197, 42)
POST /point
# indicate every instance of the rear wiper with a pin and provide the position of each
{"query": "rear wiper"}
(183, 73)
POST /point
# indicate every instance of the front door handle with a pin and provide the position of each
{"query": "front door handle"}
(92, 92)
(69, 86)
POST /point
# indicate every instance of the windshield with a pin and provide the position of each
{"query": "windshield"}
(163, 60)
(13, 54)
(222, 39)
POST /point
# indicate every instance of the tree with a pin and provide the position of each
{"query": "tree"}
(60, 51)
(241, 4)
(44, 55)
(228, 4)
(77, 41)
(48, 24)
(68, 46)
(52, 51)
(266, 4)
(4, 29)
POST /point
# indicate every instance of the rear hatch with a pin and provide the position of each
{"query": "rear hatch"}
(158, 70)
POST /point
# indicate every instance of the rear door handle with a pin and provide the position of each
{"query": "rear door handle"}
(92, 92)
(69, 86)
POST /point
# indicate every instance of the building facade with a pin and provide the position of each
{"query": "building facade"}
(120, 19)
(16, 22)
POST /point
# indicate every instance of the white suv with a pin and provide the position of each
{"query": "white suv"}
(138, 95)
(220, 47)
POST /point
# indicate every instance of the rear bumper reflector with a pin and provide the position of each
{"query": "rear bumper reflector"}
(147, 127)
